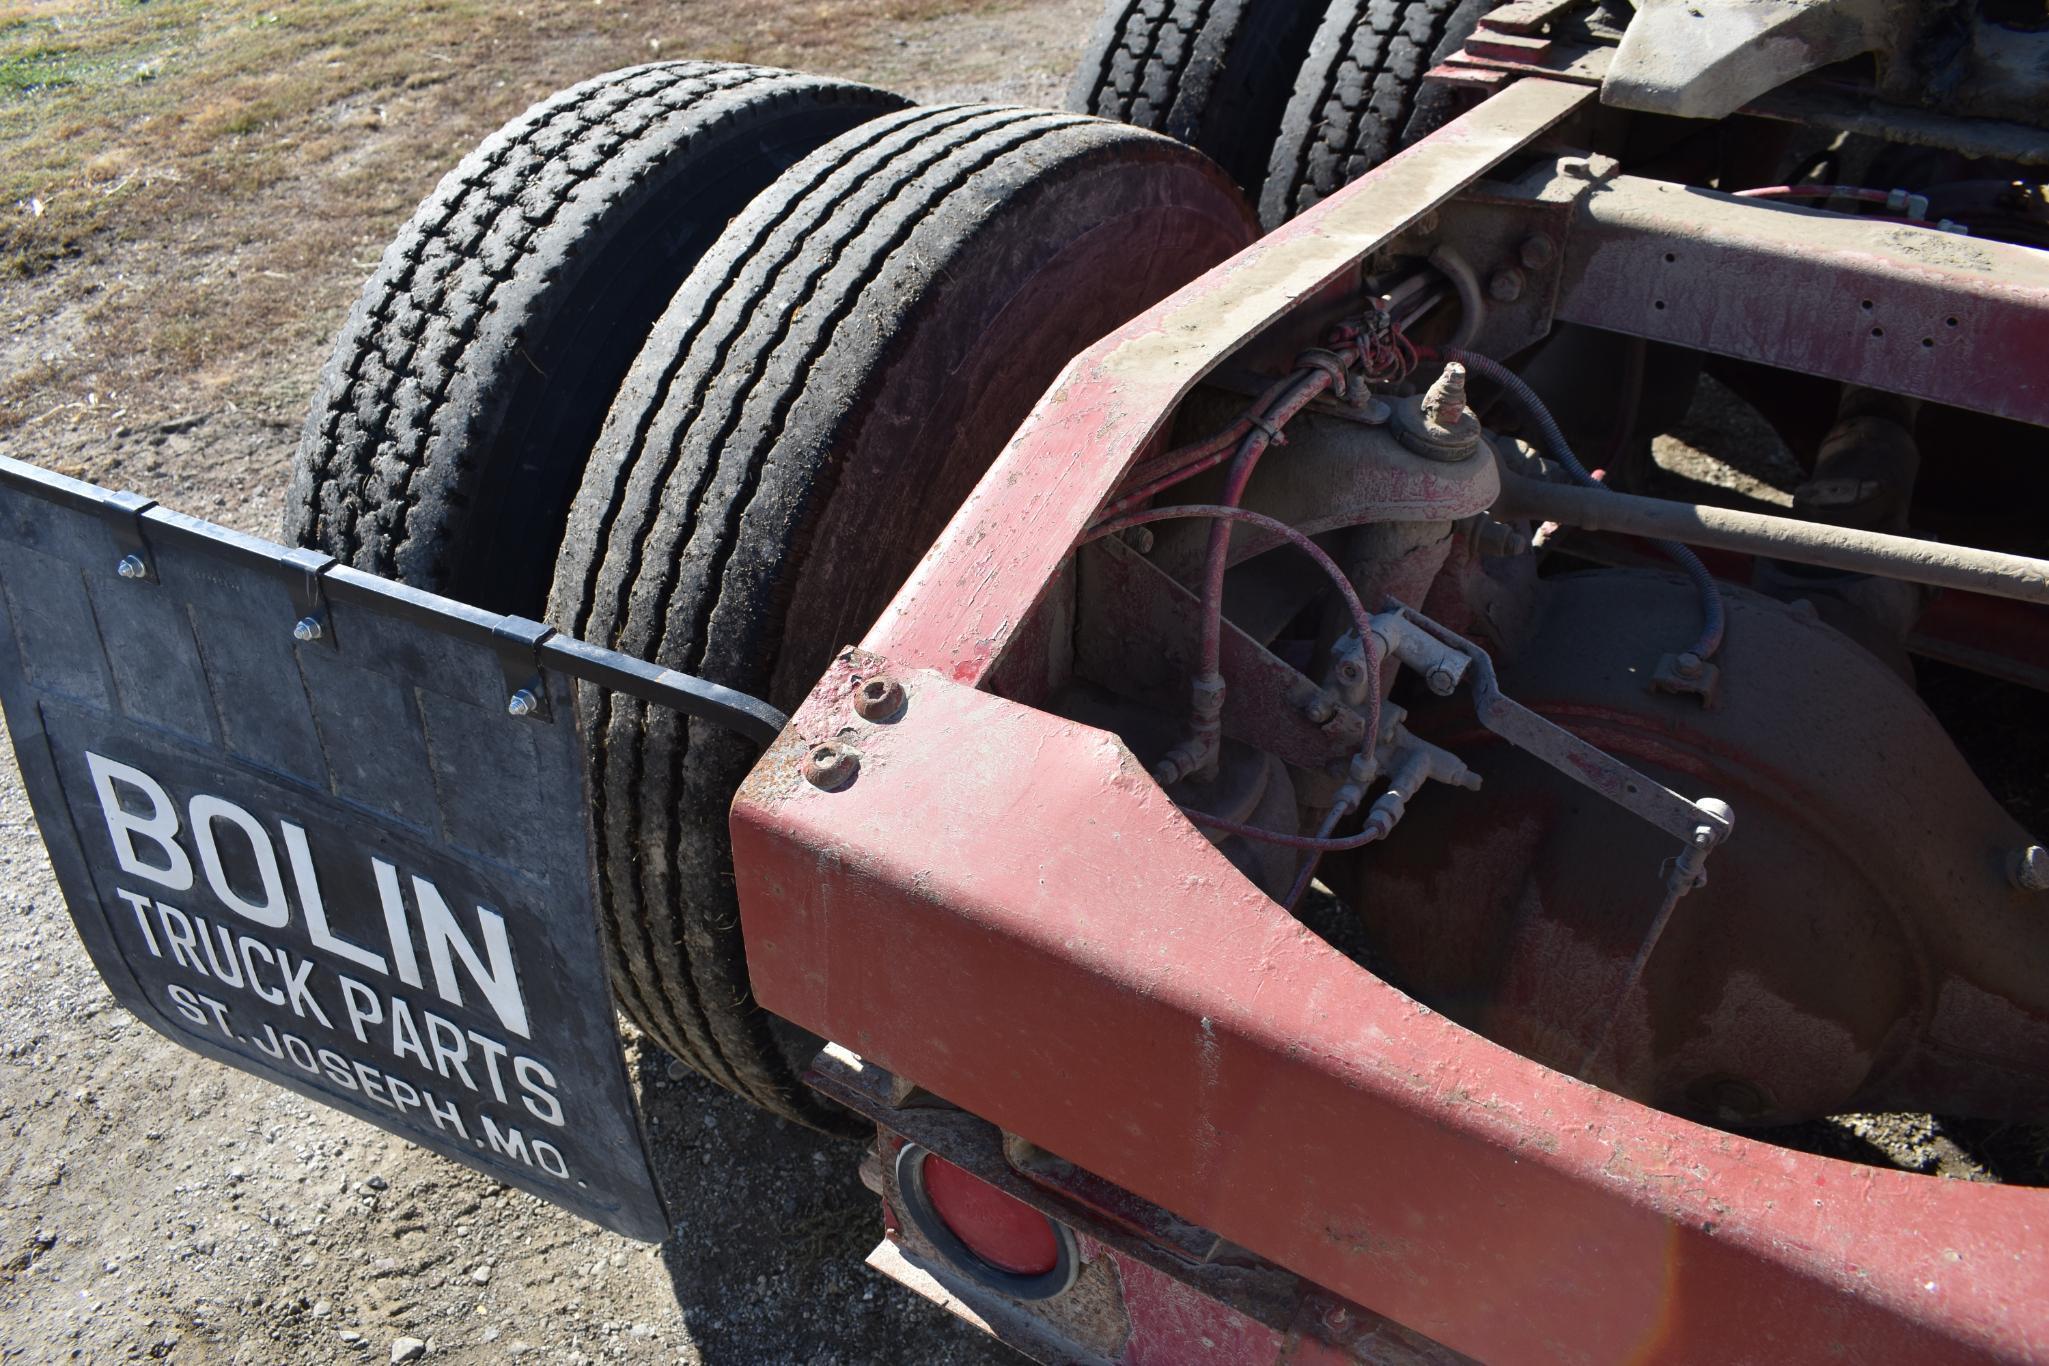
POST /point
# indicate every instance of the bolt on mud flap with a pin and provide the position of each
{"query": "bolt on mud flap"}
(352, 860)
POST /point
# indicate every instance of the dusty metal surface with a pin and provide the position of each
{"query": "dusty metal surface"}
(1852, 109)
(1999, 637)
(1337, 472)
(1705, 59)
(1856, 920)
(982, 580)
(1889, 305)
(1802, 542)
(1004, 908)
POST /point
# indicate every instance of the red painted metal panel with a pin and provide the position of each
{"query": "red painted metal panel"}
(1004, 908)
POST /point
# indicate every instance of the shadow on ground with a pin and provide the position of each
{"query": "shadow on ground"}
(771, 1226)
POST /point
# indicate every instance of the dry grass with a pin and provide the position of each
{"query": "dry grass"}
(193, 188)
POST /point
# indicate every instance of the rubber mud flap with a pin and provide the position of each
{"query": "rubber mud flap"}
(304, 829)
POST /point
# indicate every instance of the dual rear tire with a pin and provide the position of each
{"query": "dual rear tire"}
(1294, 99)
(831, 375)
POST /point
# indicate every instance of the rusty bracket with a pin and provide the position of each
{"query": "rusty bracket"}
(1592, 768)
(1138, 636)
(1513, 236)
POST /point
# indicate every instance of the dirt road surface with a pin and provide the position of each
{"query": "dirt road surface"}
(190, 195)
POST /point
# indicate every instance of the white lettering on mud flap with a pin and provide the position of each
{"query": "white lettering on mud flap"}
(136, 806)
(342, 865)
(238, 906)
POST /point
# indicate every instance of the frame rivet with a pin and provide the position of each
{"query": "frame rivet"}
(829, 766)
(879, 698)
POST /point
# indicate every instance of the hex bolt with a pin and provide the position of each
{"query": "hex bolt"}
(1140, 538)
(1537, 251)
(1445, 403)
(878, 699)
(306, 630)
(523, 703)
(1688, 665)
(830, 766)
(132, 567)
(2030, 869)
(1441, 680)
(1505, 286)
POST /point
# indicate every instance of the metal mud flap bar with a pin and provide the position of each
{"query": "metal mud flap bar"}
(331, 830)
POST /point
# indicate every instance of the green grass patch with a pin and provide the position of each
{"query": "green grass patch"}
(29, 70)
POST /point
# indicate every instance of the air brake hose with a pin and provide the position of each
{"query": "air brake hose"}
(1709, 641)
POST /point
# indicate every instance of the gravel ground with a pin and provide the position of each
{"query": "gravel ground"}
(156, 1205)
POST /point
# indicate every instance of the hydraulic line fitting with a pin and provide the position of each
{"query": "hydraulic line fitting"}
(1197, 755)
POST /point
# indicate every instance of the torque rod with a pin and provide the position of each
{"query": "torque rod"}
(1782, 538)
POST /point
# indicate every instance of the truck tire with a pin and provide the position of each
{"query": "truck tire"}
(1214, 73)
(821, 395)
(1360, 97)
(464, 392)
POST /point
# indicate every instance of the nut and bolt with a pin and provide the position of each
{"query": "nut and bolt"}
(830, 766)
(2030, 869)
(523, 703)
(1537, 251)
(879, 699)
(1505, 286)
(1688, 665)
(132, 567)
(306, 630)
(1445, 403)
(1139, 538)
(1500, 541)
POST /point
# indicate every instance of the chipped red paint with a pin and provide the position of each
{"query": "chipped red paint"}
(1003, 908)
(1174, 1325)
(1047, 943)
